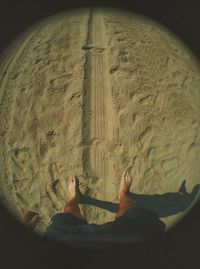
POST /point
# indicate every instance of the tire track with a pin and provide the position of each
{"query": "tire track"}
(98, 111)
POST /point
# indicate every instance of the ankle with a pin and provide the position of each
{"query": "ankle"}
(74, 210)
(73, 200)
(123, 195)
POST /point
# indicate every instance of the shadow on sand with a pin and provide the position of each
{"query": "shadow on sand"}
(163, 205)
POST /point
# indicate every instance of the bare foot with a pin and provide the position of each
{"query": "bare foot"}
(73, 189)
(30, 218)
(125, 183)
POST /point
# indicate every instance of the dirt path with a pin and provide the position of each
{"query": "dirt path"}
(100, 115)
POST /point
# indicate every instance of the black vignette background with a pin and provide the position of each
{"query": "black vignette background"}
(180, 247)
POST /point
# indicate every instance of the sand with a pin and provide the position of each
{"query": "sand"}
(89, 92)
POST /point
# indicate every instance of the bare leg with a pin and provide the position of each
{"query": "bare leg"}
(125, 202)
(74, 196)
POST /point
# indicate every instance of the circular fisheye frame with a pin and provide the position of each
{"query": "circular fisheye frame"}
(99, 127)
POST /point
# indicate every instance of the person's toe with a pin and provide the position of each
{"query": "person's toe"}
(69, 182)
(76, 180)
(124, 174)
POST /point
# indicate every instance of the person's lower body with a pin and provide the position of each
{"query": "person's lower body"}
(131, 221)
(72, 207)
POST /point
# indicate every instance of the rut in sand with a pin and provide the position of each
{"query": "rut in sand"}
(98, 112)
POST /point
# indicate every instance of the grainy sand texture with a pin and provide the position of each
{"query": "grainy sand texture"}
(89, 92)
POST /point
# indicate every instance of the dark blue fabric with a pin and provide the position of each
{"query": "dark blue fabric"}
(136, 225)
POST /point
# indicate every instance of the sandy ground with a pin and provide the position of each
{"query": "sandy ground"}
(90, 92)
